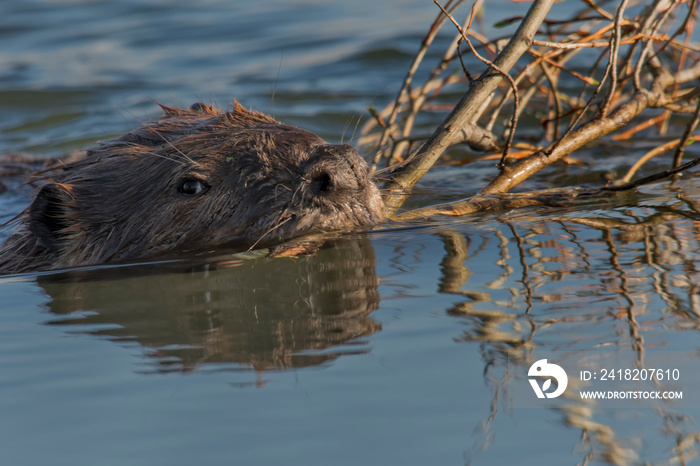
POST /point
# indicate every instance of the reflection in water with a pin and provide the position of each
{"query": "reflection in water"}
(265, 312)
(585, 283)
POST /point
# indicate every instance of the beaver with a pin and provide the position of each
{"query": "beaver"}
(195, 177)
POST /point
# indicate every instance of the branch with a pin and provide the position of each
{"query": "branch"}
(551, 197)
(591, 131)
(398, 187)
(496, 202)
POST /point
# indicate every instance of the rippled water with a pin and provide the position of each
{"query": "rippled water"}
(401, 346)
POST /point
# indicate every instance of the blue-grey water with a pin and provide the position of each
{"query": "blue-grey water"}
(400, 346)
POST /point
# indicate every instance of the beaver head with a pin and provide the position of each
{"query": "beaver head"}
(195, 177)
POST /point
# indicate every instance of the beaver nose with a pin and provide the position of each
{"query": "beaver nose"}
(334, 169)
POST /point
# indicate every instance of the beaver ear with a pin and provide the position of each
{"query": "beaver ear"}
(201, 107)
(50, 214)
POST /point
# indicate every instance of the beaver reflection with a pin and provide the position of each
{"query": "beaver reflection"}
(263, 312)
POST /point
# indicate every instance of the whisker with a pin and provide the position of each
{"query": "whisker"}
(357, 125)
(390, 168)
(279, 224)
(280, 185)
(119, 111)
(156, 154)
(145, 123)
(345, 130)
(176, 149)
(274, 90)
(294, 194)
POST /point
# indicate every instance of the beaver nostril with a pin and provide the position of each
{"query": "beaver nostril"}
(321, 182)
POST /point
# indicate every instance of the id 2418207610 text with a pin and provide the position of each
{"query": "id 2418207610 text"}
(631, 375)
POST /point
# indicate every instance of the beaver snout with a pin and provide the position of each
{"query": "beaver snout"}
(335, 170)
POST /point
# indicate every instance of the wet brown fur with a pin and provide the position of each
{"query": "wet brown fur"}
(264, 182)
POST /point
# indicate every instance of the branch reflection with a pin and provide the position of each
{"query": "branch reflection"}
(569, 268)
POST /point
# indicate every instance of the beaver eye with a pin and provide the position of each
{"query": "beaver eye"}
(193, 187)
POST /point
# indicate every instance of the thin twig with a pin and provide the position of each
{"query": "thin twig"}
(612, 64)
(514, 119)
(689, 129)
(405, 87)
(648, 156)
